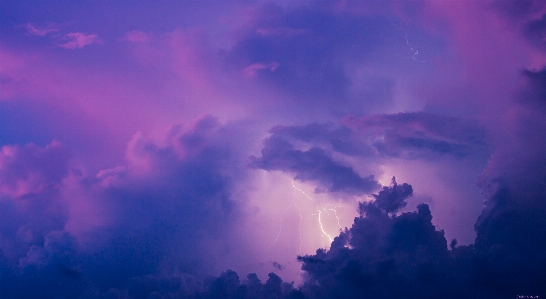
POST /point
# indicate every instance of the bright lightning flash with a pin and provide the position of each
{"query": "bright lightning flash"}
(326, 210)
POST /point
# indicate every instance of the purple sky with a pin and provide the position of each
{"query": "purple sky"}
(142, 139)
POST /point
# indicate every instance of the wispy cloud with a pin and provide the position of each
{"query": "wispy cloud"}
(41, 31)
(79, 40)
(135, 36)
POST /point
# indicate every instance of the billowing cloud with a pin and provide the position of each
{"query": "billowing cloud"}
(169, 205)
(405, 255)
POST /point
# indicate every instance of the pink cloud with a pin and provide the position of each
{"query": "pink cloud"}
(41, 31)
(79, 40)
(282, 31)
(30, 169)
(135, 36)
(251, 70)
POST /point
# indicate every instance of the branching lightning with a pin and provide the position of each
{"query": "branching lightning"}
(319, 216)
(327, 210)
(322, 228)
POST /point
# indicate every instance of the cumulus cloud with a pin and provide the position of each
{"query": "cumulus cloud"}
(172, 214)
(381, 255)
(392, 256)
(391, 199)
(29, 169)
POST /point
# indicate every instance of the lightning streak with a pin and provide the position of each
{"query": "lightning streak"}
(327, 210)
(292, 203)
(319, 216)
(415, 51)
(322, 228)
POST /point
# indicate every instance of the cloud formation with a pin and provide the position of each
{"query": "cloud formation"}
(167, 206)
(313, 165)
(78, 40)
(414, 135)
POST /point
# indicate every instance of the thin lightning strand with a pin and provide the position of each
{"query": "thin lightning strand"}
(415, 51)
(296, 188)
(299, 223)
(322, 228)
(335, 214)
(280, 227)
(293, 202)
(319, 216)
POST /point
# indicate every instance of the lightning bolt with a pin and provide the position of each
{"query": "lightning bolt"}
(335, 214)
(292, 203)
(327, 210)
(322, 228)
(319, 216)
(413, 50)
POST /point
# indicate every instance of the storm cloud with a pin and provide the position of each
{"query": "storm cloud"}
(340, 149)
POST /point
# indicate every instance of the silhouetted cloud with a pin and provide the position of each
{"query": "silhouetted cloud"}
(312, 165)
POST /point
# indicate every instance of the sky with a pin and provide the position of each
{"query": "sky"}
(273, 149)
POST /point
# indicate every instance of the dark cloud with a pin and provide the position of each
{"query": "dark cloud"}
(392, 198)
(382, 256)
(420, 135)
(314, 165)
(278, 266)
(227, 285)
(535, 31)
(338, 138)
(30, 183)
(517, 8)
(29, 169)
(403, 135)
(536, 92)
(405, 256)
